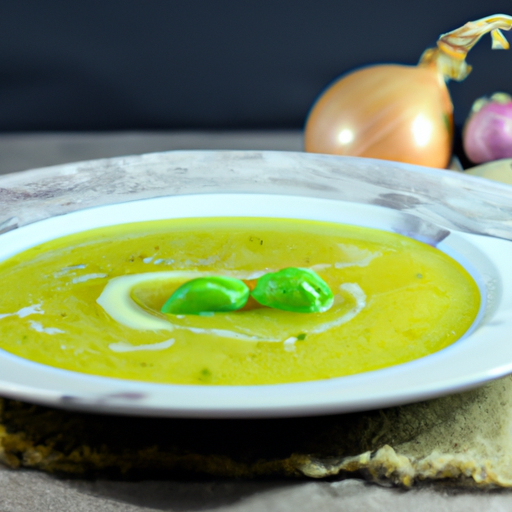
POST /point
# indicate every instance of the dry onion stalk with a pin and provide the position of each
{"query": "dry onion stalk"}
(398, 112)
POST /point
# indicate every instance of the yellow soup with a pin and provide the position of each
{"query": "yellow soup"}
(90, 302)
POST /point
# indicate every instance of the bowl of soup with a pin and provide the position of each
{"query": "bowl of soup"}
(415, 259)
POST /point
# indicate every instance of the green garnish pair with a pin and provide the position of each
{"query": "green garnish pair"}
(299, 290)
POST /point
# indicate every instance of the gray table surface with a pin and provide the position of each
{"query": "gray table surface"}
(32, 491)
(19, 152)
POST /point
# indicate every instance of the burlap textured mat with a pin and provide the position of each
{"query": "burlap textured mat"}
(465, 438)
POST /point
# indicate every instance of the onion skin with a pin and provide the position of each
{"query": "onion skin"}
(391, 112)
(487, 134)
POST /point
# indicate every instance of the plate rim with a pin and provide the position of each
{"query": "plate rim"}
(127, 399)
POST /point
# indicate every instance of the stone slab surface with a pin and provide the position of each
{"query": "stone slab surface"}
(26, 491)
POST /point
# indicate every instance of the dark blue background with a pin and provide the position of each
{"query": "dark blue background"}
(213, 64)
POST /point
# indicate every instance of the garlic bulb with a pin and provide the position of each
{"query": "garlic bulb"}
(499, 170)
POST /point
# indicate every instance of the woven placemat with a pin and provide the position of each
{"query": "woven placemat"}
(463, 437)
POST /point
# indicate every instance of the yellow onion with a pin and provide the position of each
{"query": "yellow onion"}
(397, 112)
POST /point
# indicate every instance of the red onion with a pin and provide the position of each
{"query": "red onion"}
(487, 133)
